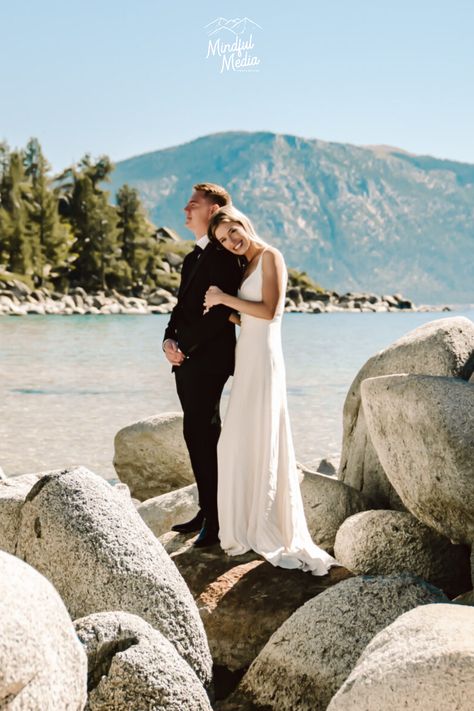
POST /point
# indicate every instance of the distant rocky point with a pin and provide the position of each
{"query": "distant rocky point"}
(303, 295)
(17, 299)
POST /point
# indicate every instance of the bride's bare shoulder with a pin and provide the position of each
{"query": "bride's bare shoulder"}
(273, 257)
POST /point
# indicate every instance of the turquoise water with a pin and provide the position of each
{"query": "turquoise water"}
(68, 384)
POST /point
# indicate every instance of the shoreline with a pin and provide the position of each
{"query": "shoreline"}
(17, 299)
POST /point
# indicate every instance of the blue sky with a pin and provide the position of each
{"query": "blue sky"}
(125, 78)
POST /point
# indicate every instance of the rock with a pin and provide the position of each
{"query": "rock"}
(466, 598)
(133, 666)
(174, 260)
(161, 296)
(19, 288)
(13, 491)
(422, 428)
(90, 542)
(310, 294)
(403, 303)
(236, 596)
(309, 657)
(99, 300)
(161, 512)
(423, 660)
(164, 267)
(79, 291)
(388, 542)
(163, 309)
(42, 663)
(6, 303)
(36, 308)
(391, 300)
(327, 503)
(328, 466)
(441, 347)
(348, 305)
(323, 297)
(67, 300)
(294, 293)
(151, 456)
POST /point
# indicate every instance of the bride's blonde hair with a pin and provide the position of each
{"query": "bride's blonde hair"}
(229, 213)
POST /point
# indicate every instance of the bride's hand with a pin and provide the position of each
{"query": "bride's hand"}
(213, 297)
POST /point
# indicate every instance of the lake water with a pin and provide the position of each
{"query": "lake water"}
(68, 384)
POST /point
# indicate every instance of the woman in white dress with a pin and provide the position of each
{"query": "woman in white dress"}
(259, 499)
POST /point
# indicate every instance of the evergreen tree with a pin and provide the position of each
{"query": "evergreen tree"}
(17, 246)
(64, 229)
(52, 240)
(5, 220)
(136, 235)
(93, 222)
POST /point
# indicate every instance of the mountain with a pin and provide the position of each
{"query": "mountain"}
(354, 217)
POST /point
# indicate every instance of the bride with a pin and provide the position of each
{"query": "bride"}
(259, 499)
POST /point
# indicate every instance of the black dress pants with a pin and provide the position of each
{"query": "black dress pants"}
(200, 394)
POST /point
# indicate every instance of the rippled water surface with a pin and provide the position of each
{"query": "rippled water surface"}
(68, 384)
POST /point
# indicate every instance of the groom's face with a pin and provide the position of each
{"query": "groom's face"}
(199, 210)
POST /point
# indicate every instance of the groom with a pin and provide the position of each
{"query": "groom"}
(201, 348)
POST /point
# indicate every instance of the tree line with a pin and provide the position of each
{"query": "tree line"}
(60, 231)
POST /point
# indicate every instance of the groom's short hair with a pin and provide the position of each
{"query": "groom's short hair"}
(215, 193)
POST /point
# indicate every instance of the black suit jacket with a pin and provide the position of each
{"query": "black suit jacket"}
(207, 340)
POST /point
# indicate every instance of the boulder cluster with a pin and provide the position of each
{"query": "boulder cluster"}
(104, 608)
(18, 299)
(302, 300)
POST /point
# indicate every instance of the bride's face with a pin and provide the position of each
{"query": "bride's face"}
(233, 237)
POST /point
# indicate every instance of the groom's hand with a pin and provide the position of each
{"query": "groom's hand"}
(172, 352)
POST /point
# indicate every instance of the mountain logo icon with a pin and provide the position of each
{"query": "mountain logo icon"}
(236, 26)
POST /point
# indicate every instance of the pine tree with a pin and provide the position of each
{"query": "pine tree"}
(52, 241)
(139, 246)
(93, 222)
(5, 220)
(17, 245)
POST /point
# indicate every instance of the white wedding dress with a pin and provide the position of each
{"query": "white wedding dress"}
(259, 499)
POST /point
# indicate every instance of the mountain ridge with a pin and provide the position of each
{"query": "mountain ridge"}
(353, 217)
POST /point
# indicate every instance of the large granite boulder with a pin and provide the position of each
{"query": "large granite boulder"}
(42, 663)
(13, 491)
(133, 666)
(242, 599)
(388, 542)
(90, 542)
(422, 428)
(151, 456)
(161, 512)
(423, 660)
(310, 656)
(327, 503)
(442, 347)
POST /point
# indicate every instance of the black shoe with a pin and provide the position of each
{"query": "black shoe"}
(190, 526)
(208, 536)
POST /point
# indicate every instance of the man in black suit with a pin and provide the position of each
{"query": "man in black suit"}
(201, 349)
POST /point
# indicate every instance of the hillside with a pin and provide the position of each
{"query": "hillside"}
(355, 218)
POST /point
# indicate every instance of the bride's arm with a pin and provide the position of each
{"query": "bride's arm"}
(272, 285)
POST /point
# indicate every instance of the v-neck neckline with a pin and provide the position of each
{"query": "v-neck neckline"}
(256, 267)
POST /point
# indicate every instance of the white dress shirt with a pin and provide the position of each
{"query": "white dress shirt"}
(203, 241)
